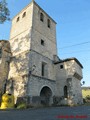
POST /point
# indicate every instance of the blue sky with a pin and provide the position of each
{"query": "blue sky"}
(73, 27)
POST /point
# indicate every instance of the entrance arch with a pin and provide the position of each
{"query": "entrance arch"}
(45, 95)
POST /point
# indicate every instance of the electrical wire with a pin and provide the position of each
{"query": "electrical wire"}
(76, 52)
(74, 45)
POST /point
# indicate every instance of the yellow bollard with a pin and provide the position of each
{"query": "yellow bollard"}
(7, 101)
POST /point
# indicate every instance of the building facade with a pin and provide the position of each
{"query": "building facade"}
(35, 73)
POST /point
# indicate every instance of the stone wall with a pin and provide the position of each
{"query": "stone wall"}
(72, 67)
(19, 68)
(36, 84)
(61, 79)
(19, 65)
(20, 35)
(41, 31)
(77, 91)
(24, 23)
(4, 62)
(21, 43)
(69, 74)
(37, 59)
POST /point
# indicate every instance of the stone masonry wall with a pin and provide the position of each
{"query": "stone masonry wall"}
(19, 68)
(36, 83)
(61, 79)
(20, 40)
(41, 31)
(37, 59)
(77, 91)
(66, 76)
(72, 67)
(24, 23)
(4, 62)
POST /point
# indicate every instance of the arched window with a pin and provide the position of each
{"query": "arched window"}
(48, 23)
(41, 17)
(42, 42)
(18, 19)
(0, 52)
(65, 92)
(24, 14)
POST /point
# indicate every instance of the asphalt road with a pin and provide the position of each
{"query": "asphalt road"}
(52, 113)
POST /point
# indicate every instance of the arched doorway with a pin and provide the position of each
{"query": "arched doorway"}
(45, 95)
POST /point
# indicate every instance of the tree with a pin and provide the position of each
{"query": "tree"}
(83, 82)
(4, 11)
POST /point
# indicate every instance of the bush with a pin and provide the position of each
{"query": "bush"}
(84, 100)
(22, 106)
(87, 97)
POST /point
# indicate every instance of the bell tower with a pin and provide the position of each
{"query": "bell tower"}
(33, 43)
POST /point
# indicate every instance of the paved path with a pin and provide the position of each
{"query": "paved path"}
(47, 113)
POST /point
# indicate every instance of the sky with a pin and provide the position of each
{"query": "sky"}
(72, 30)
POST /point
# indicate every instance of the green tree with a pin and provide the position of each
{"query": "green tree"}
(4, 11)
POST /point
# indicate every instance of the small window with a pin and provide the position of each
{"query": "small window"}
(41, 17)
(43, 69)
(65, 92)
(18, 19)
(48, 23)
(0, 52)
(24, 14)
(42, 42)
(61, 66)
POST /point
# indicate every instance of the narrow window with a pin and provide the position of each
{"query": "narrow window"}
(18, 19)
(24, 14)
(41, 17)
(42, 42)
(61, 66)
(65, 92)
(48, 23)
(43, 69)
(0, 52)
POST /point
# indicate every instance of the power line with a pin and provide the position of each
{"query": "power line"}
(77, 52)
(75, 45)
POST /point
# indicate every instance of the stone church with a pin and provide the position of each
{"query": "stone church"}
(29, 66)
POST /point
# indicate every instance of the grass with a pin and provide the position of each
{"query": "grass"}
(85, 94)
(22, 106)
